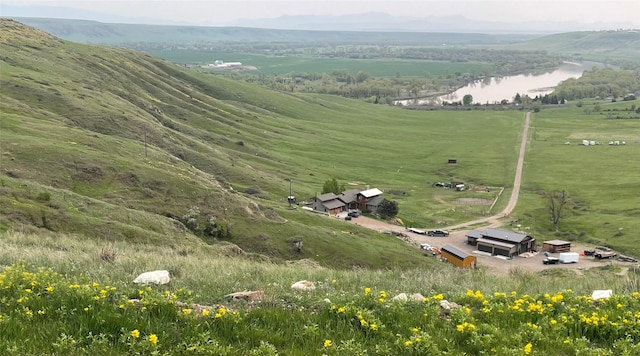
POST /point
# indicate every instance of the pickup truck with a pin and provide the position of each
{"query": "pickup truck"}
(440, 233)
(602, 255)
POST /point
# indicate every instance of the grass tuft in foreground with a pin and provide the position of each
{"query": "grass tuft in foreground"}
(43, 312)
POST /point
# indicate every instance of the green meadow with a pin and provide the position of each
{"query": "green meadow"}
(601, 179)
(278, 65)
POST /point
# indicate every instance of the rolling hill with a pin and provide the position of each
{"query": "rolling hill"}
(595, 45)
(113, 145)
(111, 33)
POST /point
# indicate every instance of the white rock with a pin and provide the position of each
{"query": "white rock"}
(417, 297)
(447, 305)
(303, 285)
(401, 297)
(600, 294)
(153, 277)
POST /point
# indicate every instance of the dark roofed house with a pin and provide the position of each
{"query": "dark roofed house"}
(364, 196)
(328, 203)
(374, 203)
(501, 242)
(349, 198)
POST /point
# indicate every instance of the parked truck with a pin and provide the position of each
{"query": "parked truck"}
(602, 255)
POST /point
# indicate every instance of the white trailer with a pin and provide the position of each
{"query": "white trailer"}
(569, 257)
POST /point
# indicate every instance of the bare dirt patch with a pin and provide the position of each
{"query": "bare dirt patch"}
(472, 201)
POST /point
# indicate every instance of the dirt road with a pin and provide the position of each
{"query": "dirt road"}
(458, 232)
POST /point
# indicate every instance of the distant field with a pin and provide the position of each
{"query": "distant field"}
(602, 180)
(282, 65)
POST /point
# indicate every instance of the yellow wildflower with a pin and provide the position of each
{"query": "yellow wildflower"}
(206, 312)
(408, 343)
(135, 333)
(327, 343)
(153, 338)
(527, 348)
(367, 290)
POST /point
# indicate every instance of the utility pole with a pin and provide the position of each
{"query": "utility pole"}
(289, 197)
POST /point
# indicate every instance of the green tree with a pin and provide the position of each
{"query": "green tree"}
(388, 209)
(332, 186)
(362, 76)
(467, 100)
(517, 99)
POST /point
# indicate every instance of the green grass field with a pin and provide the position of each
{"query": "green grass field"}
(278, 65)
(600, 179)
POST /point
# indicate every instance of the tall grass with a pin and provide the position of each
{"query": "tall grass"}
(53, 303)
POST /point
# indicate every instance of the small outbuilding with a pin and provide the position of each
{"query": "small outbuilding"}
(458, 257)
(554, 246)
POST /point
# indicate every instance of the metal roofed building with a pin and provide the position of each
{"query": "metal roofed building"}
(458, 257)
(501, 242)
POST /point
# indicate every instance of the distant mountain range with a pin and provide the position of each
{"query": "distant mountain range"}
(374, 21)
(371, 21)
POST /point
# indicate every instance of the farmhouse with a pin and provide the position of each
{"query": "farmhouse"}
(554, 246)
(353, 199)
(327, 203)
(501, 242)
(366, 199)
(348, 197)
(457, 257)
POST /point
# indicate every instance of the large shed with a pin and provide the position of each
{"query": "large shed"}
(458, 257)
(554, 246)
(501, 242)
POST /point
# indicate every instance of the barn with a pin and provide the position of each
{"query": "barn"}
(554, 246)
(458, 257)
(501, 242)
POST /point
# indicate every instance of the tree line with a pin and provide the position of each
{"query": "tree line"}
(602, 83)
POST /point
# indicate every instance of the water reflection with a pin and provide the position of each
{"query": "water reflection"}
(495, 89)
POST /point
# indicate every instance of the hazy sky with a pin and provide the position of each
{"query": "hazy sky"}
(221, 12)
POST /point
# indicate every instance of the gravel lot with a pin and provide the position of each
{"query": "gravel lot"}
(493, 264)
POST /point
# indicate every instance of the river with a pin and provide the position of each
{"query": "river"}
(495, 89)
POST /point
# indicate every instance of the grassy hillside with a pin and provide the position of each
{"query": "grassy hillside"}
(75, 120)
(592, 45)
